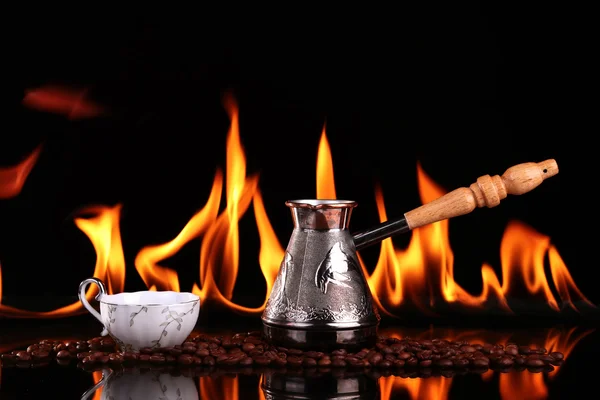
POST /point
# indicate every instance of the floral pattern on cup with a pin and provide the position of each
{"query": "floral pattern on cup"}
(149, 326)
(171, 316)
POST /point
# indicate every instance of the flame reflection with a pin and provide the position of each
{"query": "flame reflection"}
(222, 387)
(511, 385)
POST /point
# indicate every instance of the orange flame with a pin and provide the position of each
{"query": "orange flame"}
(162, 278)
(12, 179)
(223, 387)
(431, 388)
(97, 376)
(61, 100)
(325, 180)
(425, 269)
(103, 231)
(420, 274)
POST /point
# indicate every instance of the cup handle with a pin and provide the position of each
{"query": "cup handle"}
(106, 373)
(101, 292)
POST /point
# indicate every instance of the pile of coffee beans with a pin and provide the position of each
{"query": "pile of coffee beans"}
(251, 350)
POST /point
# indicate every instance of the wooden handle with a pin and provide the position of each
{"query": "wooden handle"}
(487, 191)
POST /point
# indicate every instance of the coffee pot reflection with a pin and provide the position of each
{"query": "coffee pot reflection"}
(346, 385)
(143, 385)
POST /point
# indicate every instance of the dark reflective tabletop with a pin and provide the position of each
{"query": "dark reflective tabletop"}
(575, 377)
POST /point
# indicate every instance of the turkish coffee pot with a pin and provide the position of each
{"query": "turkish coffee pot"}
(321, 299)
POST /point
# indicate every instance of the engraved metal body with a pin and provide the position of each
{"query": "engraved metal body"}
(321, 287)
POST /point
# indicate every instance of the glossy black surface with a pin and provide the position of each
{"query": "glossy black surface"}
(575, 377)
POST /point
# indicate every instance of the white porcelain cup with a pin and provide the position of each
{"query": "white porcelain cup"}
(136, 385)
(144, 319)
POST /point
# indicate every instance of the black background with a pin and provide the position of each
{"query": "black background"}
(464, 90)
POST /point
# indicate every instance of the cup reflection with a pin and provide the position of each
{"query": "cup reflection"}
(326, 385)
(143, 385)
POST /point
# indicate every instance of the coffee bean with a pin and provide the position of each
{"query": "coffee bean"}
(246, 361)
(412, 362)
(339, 352)
(185, 359)
(534, 362)
(157, 359)
(520, 360)
(174, 351)
(254, 340)
(427, 363)
(130, 356)
(115, 358)
(261, 360)
(547, 358)
(294, 361)
(338, 363)
(468, 349)
(375, 358)
(59, 347)
(511, 350)
(23, 356)
(63, 362)
(505, 361)
(209, 360)
(295, 352)
(40, 355)
(324, 362)
(82, 347)
(399, 363)
(355, 362)
(460, 362)
(202, 352)
(314, 354)
(33, 347)
(279, 362)
(444, 363)
(496, 351)
(247, 347)
(480, 362)
(309, 362)
(387, 357)
(524, 350)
